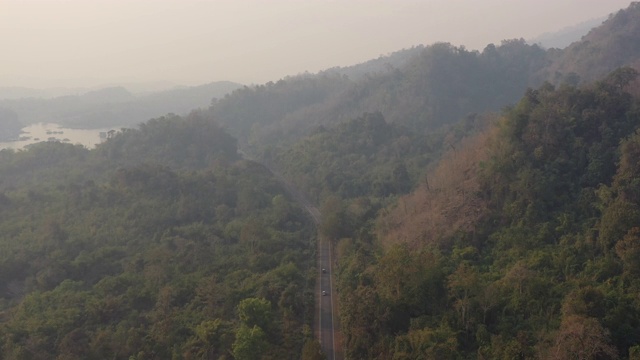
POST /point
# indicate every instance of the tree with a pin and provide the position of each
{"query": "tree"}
(440, 343)
(213, 334)
(621, 77)
(250, 344)
(628, 249)
(587, 301)
(463, 286)
(312, 350)
(581, 337)
(334, 218)
(255, 312)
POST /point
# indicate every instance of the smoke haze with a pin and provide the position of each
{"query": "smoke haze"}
(67, 43)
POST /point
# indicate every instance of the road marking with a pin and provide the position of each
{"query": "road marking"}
(333, 330)
(320, 301)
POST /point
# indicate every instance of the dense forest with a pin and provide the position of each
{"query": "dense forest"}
(521, 245)
(480, 205)
(146, 249)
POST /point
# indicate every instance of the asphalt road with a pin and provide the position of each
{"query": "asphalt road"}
(326, 326)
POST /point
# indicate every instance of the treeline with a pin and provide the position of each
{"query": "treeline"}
(184, 143)
(159, 244)
(521, 245)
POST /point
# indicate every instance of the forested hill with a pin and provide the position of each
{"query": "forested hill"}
(613, 44)
(437, 85)
(522, 243)
(423, 88)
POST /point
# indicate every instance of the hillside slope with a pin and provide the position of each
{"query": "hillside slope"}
(523, 241)
(436, 86)
(423, 88)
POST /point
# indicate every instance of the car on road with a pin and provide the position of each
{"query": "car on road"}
(324, 271)
(324, 293)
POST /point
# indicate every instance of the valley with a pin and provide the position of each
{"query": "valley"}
(433, 203)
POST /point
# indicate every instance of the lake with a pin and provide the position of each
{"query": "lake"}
(53, 132)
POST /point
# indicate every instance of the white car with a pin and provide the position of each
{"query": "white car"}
(324, 293)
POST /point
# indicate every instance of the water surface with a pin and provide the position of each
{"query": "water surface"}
(35, 133)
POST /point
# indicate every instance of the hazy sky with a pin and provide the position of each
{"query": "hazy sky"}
(45, 43)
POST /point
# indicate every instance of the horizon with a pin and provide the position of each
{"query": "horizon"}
(74, 44)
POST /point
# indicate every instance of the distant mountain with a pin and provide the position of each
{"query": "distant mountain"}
(613, 44)
(139, 89)
(115, 106)
(115, 94)
(188, 98)
(383, 63)
(563, 38)
(17, 92)
(9, 124)
(426, 87)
